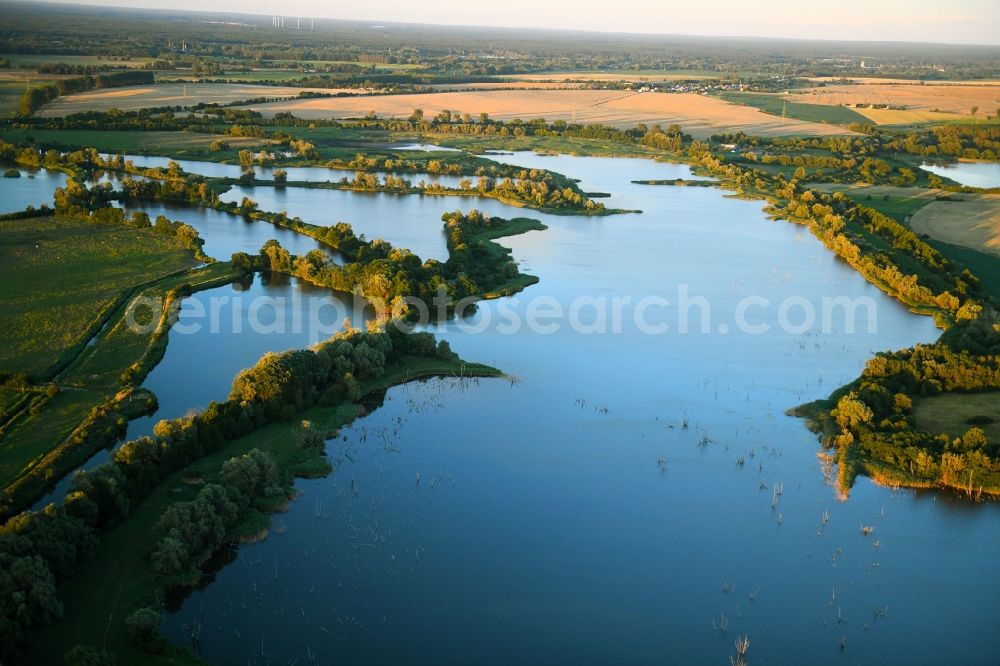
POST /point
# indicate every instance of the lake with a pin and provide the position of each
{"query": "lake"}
(225, 233)
(34, 188)
(205, 351)
(592, 507)
(973, 174)
(308, 174)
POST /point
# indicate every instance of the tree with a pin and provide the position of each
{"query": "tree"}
(246, 160)
(143, 627)
(851, 412)
(27, 595)
(242, 261)
(974, 439)
(85, 655)
(140, 220)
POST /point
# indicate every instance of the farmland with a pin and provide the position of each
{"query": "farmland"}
(168, 94)
(615, 75)
(920, 103)
(969, 220)
(699, 115)
(780, 106)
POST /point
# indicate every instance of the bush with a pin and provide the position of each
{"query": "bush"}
(11, 173)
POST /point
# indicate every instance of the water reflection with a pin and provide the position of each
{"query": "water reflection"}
(592, 508)
(973, 174)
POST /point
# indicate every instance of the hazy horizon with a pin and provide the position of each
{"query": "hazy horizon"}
(966, 22)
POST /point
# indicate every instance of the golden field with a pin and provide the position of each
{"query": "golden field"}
(931, 102)
(166, 94)
(698, 114)
(972, 220)
(613, 75)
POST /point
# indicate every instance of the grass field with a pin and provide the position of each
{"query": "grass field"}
(951, 412)
(700, 115)
(131, 98)
(123, 141)
(59, 277)
(780, 106)
(33, 453)
(11, 89)
(896, 202)
(984, 266)
(922, 103)
(970, 220)
(34, 436)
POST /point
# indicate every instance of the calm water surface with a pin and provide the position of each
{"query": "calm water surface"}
(568, 514)
(309, 174)
(34, 188)
(973, 174)
(222, 331)
(225, 233)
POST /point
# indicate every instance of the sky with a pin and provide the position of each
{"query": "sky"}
(956, 21)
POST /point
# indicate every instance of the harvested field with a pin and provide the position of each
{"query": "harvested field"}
(615, 75)
(971, 220)
(923, 103)
(700, 115)
(509, 85)
(168, 94)
(872, 80)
